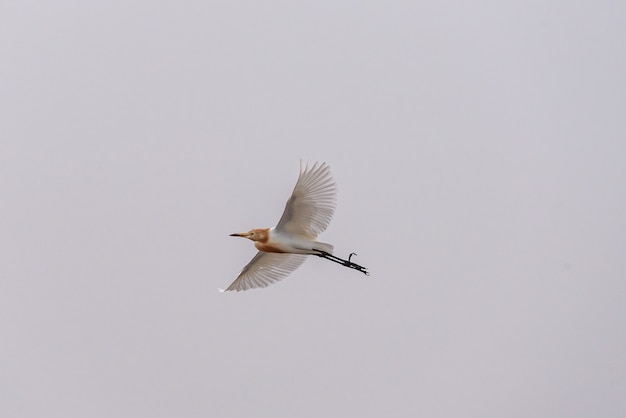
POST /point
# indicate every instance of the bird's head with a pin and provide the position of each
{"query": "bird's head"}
(254, 234)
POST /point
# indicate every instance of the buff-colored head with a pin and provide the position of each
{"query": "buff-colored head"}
(257, 234)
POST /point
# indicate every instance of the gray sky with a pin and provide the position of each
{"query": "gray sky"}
(479, 151)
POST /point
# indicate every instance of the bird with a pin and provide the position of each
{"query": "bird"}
(283, 248)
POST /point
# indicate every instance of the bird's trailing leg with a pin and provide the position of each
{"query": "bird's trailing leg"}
(346, 263)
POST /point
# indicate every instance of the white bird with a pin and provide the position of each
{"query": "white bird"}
(284, 248)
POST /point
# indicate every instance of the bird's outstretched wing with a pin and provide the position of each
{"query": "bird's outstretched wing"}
(265, 269)
(312, 203)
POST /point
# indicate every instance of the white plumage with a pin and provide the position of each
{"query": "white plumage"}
(284, 248)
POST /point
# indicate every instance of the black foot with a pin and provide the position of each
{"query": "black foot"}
(346, 263)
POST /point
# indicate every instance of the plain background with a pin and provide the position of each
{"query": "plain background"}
(479, 150)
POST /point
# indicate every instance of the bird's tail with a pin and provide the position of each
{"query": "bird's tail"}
(322, 246)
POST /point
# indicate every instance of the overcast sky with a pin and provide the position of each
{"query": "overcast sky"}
(479, 150)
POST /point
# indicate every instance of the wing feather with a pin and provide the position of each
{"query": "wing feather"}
(265, 269)
(312, 203)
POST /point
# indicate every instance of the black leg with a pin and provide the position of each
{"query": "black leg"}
(346, 263)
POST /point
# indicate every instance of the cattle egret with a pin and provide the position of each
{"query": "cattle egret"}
(284, 248)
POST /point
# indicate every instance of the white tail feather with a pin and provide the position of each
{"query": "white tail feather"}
(322, 246)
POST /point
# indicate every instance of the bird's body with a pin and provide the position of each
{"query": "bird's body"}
(270, 240)
(284, 248)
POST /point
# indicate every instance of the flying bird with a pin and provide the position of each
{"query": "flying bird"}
(284, 248)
